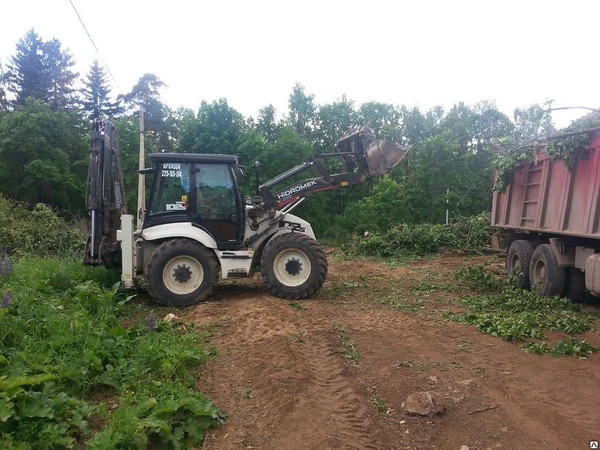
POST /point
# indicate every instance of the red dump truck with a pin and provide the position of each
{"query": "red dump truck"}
(552, 216)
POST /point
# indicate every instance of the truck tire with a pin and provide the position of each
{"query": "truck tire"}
(575, 289)
(519, 256)
(181, 272)
(546, 276)
(294, 266)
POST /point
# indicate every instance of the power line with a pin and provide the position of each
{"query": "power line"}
(96, 47)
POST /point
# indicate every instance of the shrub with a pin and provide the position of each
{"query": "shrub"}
(419, 239)
(37, 231)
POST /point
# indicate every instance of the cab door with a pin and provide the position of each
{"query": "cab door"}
(216, 204)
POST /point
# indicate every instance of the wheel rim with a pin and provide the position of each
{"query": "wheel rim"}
(183, 275)
(539, 272)
(515, 262)
(292, 267)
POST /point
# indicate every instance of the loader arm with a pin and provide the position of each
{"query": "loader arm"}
(105, 196)
(362, 157)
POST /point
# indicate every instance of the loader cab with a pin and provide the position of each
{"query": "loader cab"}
(201, 189)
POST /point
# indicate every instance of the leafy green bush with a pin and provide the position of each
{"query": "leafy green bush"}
(37, 231)
(419, 239)
(63, 343)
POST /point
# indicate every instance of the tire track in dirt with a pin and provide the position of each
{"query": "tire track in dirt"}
(302, 386)
(340, 406)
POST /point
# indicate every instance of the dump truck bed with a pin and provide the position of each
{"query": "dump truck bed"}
(544, 196)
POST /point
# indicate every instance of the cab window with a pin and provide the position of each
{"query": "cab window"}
(215, 197)
(172, 188)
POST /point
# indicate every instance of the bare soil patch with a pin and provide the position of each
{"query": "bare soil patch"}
(332, 372)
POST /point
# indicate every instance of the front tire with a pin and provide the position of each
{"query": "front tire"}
(294, 266)
(181, 272)
(546, 276)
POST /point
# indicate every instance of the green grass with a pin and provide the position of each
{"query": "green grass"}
(347, 347)
(64, 345)
(342, 288)
(380, 404)
(297, 306)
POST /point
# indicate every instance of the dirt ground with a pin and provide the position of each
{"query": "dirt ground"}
(333, 372)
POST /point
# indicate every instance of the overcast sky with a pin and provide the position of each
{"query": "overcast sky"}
(419, 52)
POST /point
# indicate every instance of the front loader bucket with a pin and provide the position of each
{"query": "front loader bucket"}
(375, 156)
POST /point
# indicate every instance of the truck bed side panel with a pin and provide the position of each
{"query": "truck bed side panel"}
(544, 196)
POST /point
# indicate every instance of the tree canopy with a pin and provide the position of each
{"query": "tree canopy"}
(45, 123)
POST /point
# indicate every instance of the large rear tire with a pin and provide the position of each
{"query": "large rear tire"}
(575, 288)
(294, 266)
(519, 257)
(546, 276)
(181, 272)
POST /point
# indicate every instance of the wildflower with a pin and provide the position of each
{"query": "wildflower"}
(151, 321)
(5, 300)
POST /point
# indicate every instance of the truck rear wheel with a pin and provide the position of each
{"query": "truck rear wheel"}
(546, 276)
(575, 288)
(294, 266)
(519, 257)
(181, 272)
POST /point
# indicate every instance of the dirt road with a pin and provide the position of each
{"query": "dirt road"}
(332, 372)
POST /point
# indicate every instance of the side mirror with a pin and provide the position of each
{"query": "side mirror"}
(239, 174)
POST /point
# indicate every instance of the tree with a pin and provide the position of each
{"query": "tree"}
(146, 95)
(333, 121)
(473, 127)
(41, 70)
(266, 124)
(301, 111)
(96, 94)
(28, 75)
(216, 129)
(43, 155)
(3, 90)
(384, 118)
(59, 64)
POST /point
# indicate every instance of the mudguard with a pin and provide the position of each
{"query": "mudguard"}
(175, 230)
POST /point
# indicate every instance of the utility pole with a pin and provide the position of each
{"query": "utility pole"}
(447, 201)
(141, 178)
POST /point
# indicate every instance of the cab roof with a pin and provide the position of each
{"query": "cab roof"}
(193, 158)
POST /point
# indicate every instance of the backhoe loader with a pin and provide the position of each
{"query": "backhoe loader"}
(197, 225)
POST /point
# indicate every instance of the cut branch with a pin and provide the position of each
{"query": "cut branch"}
(487, 408)
(562, 135)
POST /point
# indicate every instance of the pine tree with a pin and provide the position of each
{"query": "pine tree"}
(27, 72)
(41, 70)
(96, 94)
(59, 64)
